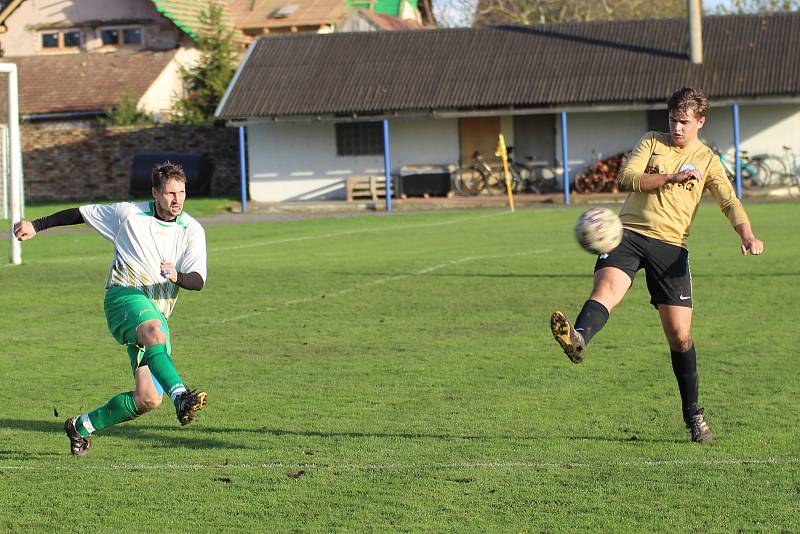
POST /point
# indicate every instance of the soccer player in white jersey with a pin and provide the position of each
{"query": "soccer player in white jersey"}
(158, 249)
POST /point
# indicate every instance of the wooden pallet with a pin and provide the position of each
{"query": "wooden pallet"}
(369, 187)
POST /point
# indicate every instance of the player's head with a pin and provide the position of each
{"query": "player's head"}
(169, 189)
(687, 109)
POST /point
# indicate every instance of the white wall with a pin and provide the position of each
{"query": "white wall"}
(763, 129)
(298, 161)
(606, 132)
(159, 99)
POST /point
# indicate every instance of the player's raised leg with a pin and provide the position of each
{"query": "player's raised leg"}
(610, 286)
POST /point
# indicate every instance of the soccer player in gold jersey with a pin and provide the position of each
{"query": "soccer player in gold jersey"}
(666, 175)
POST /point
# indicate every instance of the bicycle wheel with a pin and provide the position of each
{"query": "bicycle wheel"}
(469, 181)
(775, 171)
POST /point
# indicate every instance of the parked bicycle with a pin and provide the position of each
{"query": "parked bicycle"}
(782, 170)
(529, 177)
(480, 176)
(755, 173)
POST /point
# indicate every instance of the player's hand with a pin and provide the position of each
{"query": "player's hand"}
(753, 245)
(685, 176)
(23, 230)
(169, 271)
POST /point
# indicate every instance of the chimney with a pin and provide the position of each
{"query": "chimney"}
(695, 8)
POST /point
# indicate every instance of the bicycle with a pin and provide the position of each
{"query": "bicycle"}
(755, 171)
(538, 175)
(783, 170)
(480, 176)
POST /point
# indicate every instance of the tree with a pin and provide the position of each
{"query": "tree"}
(740, 7)
(204, 84)
(126, 114)
(530, 12)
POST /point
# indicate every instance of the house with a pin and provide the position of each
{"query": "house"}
(78, 58)
(313, 105)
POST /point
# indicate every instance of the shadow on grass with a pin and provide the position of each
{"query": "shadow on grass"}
(164, 437)
(587, 274)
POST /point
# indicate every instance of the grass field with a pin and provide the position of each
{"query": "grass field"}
(404, 365)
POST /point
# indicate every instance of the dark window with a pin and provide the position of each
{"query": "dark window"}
(49, 40)
(657, 120)
(72, 39)
(110, 37)
(132, 36)
(359, 138)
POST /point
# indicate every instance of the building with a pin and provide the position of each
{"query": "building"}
(313, 105)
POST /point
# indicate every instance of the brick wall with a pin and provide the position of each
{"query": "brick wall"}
(84, 161)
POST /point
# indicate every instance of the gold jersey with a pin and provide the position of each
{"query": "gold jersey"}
(667, 213)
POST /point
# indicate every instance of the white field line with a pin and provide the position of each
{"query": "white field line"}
(380, 281)
(330, 235)
(409, 467)
(401, 227)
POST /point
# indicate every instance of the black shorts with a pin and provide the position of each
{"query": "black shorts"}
(666, 267)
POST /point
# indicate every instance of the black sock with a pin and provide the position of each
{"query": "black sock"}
(591, 319)
(684, 364)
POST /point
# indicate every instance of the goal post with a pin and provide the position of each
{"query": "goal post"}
(14, 178)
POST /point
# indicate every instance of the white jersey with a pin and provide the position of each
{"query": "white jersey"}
(142, 242)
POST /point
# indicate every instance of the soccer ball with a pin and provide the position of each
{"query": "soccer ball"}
(598, 230)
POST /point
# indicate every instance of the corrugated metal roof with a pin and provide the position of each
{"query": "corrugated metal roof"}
(540, 66)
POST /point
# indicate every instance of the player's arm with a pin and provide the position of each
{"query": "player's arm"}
(193, 281)
(633, 178)
(719, 185)
(24, 230)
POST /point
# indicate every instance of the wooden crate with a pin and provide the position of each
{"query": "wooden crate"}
(365, 187)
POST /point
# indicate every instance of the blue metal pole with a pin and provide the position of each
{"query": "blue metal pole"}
(565, 155)
(738, 151)
(243, 168)
(387, 165)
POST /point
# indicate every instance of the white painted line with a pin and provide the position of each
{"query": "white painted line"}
(378, 281)
(565, 464)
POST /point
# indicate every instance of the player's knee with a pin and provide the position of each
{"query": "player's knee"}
(146, 403)
(681, 343)
(151, 333)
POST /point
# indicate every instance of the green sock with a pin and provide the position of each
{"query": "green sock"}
(160, 364)
(120, 408)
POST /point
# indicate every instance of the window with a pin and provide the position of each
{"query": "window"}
(109, 37)
(121, 36)
(359, 139)
(61, 39)
(49, 40)
(132, 36)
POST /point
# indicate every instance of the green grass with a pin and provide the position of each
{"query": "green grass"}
(405, 364)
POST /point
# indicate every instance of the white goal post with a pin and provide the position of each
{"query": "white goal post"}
(14, 182)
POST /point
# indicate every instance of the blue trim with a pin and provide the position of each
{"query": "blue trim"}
(565, 156)
(387, 165)
(243, 168)
(737, 150)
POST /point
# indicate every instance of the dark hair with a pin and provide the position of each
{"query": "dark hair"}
(686, 99)
(165, 172)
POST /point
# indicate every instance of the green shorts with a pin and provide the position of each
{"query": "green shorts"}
(126, 308)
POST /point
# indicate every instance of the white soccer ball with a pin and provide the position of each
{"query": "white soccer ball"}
(598, 230)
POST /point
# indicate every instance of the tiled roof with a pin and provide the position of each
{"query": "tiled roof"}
(544, 66)
(84, 82)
